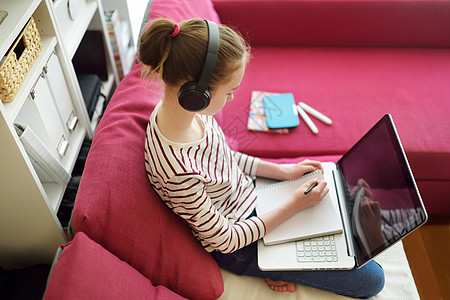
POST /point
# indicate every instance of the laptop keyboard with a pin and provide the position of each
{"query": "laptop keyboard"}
(320, 249)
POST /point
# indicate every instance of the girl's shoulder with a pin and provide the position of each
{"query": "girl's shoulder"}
(211, 122)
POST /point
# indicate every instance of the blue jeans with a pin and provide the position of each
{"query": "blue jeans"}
(357, 283)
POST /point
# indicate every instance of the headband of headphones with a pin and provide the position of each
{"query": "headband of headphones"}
(195, 95)
(211, 56)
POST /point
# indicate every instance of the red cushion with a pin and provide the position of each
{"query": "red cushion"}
(178, 11)
(393, 23)
(116, 205)
(355, 87)
(85, 270)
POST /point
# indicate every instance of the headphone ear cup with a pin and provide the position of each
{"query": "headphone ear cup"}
(191, 99)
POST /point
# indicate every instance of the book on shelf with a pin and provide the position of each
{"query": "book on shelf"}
(115, 35)
(257, 117)
(46, 165)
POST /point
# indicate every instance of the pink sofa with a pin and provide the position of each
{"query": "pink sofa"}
(352, 60)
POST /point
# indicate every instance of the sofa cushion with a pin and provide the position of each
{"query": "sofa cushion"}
(178, 11)
(116, 205)
(85, 270)
(365, 23)
(355, 87)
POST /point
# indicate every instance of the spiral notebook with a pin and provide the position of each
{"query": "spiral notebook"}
(318, 220)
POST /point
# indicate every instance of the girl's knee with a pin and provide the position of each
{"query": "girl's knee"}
(374, 280)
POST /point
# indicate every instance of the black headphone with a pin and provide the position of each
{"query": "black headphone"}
(195, 95)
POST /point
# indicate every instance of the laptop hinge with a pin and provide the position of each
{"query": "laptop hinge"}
(344, 214)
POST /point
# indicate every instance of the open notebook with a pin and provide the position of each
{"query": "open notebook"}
(321, 219)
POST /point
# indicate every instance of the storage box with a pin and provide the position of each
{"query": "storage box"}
(18, 61)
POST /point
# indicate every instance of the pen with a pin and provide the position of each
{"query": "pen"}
(307, 120)
(315, 113)
(311, 187)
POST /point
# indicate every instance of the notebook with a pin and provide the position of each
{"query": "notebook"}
(280, 111)
(305, 224)
(378, 200)
(256, 115)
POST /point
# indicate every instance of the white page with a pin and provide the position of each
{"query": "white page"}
(321, 219)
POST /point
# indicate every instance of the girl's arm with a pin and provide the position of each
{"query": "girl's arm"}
(254, 166)
(286, 172)
(188, 198)
(296, 202)
(247, 163)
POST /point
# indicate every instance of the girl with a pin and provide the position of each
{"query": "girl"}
(203, 181)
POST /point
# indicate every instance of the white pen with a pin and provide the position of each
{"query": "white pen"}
(307, 120)
(315, 113)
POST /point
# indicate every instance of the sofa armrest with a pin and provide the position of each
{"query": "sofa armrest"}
(348, 23)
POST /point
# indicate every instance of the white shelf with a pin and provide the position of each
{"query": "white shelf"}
(131, 14)
(55, 193)
(136, 11)
(75, 141)
(81, 28)
(27, 204)
(72, 31)
(19, 12)
(105, 90)
(130, 10)
(13, 108)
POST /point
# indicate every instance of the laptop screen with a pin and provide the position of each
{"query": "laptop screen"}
(382, 199)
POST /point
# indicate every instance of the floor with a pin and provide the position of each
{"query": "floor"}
(428, 252)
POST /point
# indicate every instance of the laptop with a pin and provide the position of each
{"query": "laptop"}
(373, 188)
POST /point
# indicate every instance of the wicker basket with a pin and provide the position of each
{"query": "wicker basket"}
(18, 61)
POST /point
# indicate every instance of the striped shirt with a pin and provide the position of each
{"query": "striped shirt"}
(204, 183)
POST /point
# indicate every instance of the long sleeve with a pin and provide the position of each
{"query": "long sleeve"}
(189, 200)
(248, 164)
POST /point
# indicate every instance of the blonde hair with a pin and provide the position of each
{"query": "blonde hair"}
(180, 59)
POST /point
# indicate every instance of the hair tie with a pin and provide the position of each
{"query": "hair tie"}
(175, 31)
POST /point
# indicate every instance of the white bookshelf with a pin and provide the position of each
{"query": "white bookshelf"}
(129, 11)
(30, 231)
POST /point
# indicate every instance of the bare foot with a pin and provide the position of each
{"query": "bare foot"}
(280, 286)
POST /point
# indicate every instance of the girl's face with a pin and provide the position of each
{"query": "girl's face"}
(224, 92)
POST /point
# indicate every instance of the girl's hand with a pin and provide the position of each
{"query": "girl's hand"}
(299, 169)
(300, 201)
(296, 202)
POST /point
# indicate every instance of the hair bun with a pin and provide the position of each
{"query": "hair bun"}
(175, 31)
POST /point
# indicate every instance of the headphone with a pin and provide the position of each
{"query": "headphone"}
(195, 95)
